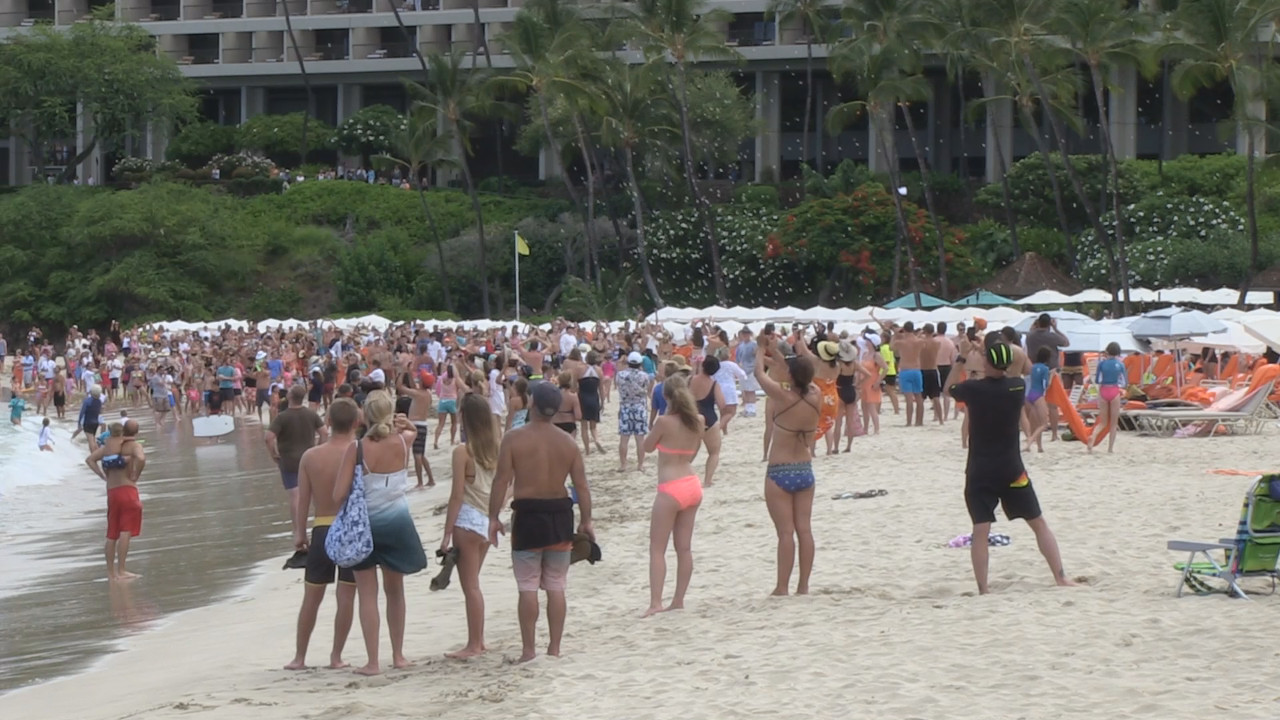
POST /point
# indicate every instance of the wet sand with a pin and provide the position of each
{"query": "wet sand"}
(893, 628)
(212, 513)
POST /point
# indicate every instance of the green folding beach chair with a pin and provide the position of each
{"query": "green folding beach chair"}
(1253, 552)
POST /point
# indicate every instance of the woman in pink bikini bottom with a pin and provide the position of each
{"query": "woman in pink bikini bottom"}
(676, 436)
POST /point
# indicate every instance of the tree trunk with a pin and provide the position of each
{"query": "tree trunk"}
(1072, 175)
(808, 108)
(475, 207)
(700, 201)
(1251, 214)
(1104, 123)
(900, 215)
(435, 232)
(564, 175)
(1010, 216)
(637, 200)
(70, 170)
(426, 208)
(1059, 200)
(593, 243)
(928, 199)
(306, 81)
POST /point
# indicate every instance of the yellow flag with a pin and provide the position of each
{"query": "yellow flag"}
(522, 247)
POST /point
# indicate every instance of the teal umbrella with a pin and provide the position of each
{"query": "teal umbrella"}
(926, 301)
(985, 298)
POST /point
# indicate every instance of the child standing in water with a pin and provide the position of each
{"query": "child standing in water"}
(45, 442)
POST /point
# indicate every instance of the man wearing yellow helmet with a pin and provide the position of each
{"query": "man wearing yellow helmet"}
(995, 474)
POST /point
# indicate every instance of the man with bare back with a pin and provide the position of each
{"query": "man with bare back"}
(316, 476)
(419, 409)
(909, 346)
(532, 353)
(929, 373)
(542, 524)
(119, 462)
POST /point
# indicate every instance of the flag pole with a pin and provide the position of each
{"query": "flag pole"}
(515, 246)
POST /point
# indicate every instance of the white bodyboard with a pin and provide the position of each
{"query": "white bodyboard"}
(212, 426)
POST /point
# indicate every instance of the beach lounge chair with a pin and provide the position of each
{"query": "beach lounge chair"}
(1253, 553)
(1242, 412)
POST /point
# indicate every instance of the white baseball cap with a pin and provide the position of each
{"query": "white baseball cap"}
(635, 358)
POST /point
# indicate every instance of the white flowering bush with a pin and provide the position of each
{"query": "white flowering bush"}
(1171, 240)
(132, 167)
(256, 164)
(370, 131)
(682, 262)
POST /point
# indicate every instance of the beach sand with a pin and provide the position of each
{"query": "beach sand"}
(893, 628)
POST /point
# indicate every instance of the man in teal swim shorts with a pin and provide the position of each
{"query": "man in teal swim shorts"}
(908, 346)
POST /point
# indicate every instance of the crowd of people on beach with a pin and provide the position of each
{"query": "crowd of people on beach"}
(523, 406)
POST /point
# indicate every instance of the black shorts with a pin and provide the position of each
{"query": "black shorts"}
(320, 569)
(115, 383)
(1018, 502)
(932, 385)
(91, 429)
(260, 397)
(227, 394)
(890, 380)
(237, 392)
(59, 400)
(943, 372)
(420, 440)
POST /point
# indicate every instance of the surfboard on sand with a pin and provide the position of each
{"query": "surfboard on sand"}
(213, 425)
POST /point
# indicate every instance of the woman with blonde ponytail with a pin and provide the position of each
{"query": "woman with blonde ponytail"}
(396, 546)
(676, 436)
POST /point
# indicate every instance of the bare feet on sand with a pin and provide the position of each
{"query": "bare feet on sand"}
(368, 670)
(338, 664)
(296, 665)
(466, 653)
(652, 611)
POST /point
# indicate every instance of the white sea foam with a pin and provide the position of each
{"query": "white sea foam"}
(41, 494)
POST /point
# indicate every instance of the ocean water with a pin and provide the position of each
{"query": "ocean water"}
(214, 510)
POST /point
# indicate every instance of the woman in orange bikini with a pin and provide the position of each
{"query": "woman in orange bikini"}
(676, 436)
(824, 355)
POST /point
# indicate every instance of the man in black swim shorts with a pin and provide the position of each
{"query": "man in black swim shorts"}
(995, 474)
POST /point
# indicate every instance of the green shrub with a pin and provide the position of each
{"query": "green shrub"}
(196, 143)
(764, 196)
(279, 137)
(370, 131)
(1032, 195)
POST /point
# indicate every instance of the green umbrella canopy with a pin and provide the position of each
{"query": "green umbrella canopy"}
(926, 301)
(983, 297)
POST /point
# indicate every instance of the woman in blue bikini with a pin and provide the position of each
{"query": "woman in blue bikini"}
(788, 486)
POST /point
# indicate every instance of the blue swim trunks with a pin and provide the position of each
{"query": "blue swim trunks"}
(447, 406)
(911, 382)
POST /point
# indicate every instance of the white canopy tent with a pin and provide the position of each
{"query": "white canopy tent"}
(1046, 297)
(1092, 295)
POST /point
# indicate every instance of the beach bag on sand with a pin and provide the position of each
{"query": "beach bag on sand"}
(350, 539)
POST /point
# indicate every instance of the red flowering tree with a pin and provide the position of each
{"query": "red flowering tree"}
(846, 242)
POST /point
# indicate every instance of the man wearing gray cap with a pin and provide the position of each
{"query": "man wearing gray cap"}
(542, 523)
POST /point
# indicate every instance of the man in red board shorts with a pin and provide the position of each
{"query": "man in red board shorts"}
(119, 461)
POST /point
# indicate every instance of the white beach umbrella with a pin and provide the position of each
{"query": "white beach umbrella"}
(1096, 336)
(1046, 297)
(1175, 323)
(1234, 338)
(1092, 295)
(1180, 295)
(1143, 295)
(1227, 314)
(1259, 297)
(1064, 318)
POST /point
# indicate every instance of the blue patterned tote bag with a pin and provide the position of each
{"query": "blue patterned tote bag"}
(350, 539)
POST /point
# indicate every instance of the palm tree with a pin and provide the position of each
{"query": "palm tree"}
(1220, 40)
(812, 16)
(635, 116)
(306, 80)
(457, 94)
(420, 146)
(1014, 29)
(884, 54)
(1105, 35)
(676, 33)
(552, 51)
